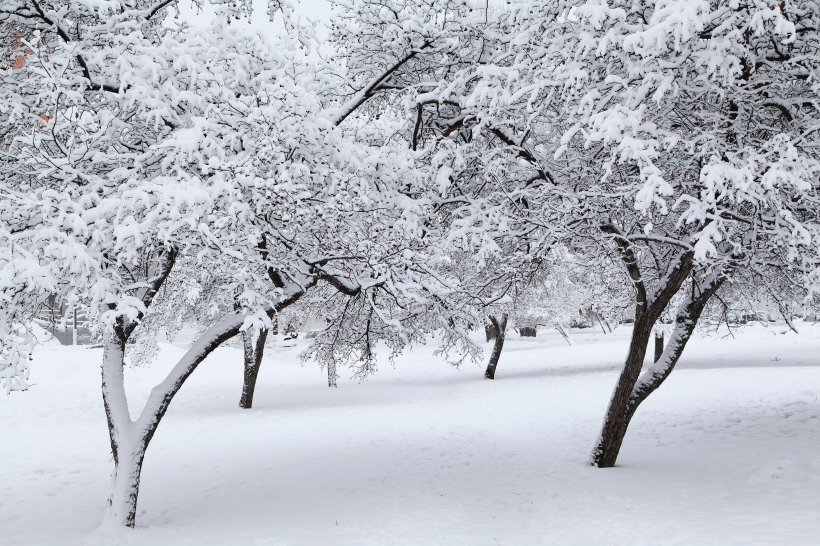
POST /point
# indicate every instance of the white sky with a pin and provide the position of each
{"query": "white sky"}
(314, 10)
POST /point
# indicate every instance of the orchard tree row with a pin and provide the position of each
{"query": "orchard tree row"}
(441, 168)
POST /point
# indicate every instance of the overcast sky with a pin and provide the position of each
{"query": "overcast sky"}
(315, 10)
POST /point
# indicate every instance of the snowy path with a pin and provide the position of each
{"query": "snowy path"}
(726, 452)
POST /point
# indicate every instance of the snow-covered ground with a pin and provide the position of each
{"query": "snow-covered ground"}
(726, 452)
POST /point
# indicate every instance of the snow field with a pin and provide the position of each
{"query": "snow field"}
(726, 452)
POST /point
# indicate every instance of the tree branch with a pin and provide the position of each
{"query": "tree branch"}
(362, 96)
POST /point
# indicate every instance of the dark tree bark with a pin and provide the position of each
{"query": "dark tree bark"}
(253, 361)
(500, 325)
(527, 332)
(658, 346)
(648, 308)
(619, 416)
(490, 331)
(685, 321)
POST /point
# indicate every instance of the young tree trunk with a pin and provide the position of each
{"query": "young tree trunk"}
(658, 345)
(619, 416)
(500, 325)
(253, 361)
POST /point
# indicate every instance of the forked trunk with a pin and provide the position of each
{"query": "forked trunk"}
(253, 361)
(127, 448)
(500, 326)
(648, 308)
(658, 346)
(619, 415)
(129, 438)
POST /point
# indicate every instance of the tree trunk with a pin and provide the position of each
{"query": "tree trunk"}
(614, 429)
(130, 439)
(686, 319)
(647, 311)
(121, 509)
(127, 449)
(527, 332)
(619, 415)
(331, 374)
(500, 325)
(253, 361)
(491, 332)
(658, 345)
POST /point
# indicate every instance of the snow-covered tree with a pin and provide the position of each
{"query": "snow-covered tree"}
(677, 136)
(160, 175)
(112, 125)
(165, 176)
(710, 106)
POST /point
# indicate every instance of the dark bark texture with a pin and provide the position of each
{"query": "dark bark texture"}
(622, 408)
(253, 361)
(490, 331)
(685, 323)
(527, 332)
(500, 326)
(648, 308)
(658, 346)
